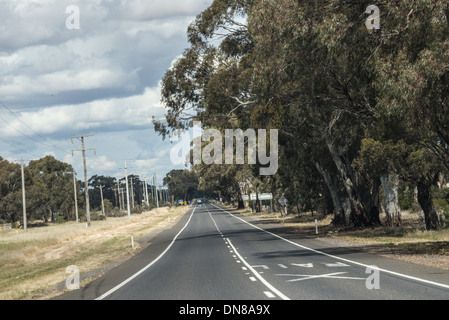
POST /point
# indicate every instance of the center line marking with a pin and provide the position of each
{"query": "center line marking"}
(258, 276)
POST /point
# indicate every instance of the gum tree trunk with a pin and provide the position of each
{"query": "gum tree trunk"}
(342, 207)
(390, 185)
(426, 203)
(359, 216)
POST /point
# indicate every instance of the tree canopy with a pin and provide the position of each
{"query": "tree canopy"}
(358, 109)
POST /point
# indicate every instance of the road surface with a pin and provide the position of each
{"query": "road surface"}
(212, 254)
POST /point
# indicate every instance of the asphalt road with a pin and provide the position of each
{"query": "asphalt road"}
(212, 254)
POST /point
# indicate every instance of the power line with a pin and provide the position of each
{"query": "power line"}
(20, 149)
(31, 129)
(27, 136)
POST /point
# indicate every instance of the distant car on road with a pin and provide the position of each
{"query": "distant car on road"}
(198, 201)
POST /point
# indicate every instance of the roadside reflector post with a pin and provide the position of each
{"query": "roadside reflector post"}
(132, 240)
(316, 226)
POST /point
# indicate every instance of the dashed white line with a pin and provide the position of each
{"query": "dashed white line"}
(258, 276)
(441, 285)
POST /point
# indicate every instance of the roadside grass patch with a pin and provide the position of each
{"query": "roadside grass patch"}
(33, 264)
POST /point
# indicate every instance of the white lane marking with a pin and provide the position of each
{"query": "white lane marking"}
(149, 265)
(342, 259)
(283, 266)
(336, 265)
(269, 294)
(258, 276)
(262, 266)
(336, 275)
(307, 265)
(252, 279)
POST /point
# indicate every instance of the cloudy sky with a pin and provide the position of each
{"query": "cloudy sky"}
(61, 77)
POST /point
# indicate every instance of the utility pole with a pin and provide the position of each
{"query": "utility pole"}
(143, 192)
(157, 196)
(23, 198)
(119, 194)
(127, 188)
(115, 196)
(76, 200)
(86, 184)
(102, 202)
(132, 191)
(122, 193)
(146, 191)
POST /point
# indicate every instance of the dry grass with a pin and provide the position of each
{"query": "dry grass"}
(407, 242)
(33, 262)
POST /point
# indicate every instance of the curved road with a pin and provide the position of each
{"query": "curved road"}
(214, 255)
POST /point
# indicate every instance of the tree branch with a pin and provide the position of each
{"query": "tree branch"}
(241, 104)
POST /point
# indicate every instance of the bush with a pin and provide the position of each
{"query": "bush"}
(60, 219)
(406, 198)
(97, 216)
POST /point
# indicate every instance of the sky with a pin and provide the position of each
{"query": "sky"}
(89, 67)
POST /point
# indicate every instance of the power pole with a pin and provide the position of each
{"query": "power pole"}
(23, 198)
(127, 188)
(132, 191)
(143, 192)
(76, 200)
(115, 196)
(146, 191)
(119, 194)
(157, 196)
(86, 184)
(122, 193)
(102, 201)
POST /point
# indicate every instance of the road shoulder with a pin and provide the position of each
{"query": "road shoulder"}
(428, 263)
(114, 273)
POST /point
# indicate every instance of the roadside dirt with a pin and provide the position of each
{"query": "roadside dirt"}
(425, 251)
(398, 252)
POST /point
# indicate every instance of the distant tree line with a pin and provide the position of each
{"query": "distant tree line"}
(50, 192)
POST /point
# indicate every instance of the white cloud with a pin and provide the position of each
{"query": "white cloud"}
(102, 79)
(143, 10)
(101, 163)
(133, 111)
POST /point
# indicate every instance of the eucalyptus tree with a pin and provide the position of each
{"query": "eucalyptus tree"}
(357, 107)
(311, 60)
(412, 88)
(10, 191)
(51, 192)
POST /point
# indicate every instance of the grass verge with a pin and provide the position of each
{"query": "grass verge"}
(33, 264)
(407, 242)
